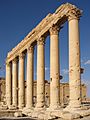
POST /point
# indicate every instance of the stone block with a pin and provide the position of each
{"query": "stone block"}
(18, 114)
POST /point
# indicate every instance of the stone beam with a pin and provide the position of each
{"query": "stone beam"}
(43, 28)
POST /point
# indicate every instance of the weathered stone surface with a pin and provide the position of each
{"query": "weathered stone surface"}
(21, 92)
(48, 26)
(18, 114)
(40, 73)
(12, 107)
(3, 107)
(27, 111)
(54, 68)
(64, 93)
(29, 90)
(14, 82)
(8, 84)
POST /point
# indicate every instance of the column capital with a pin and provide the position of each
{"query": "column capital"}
(21, 55)
(30, 49)
(14, 60)
(41, 41)
(8, 64)
(54, 30)
(74, 14)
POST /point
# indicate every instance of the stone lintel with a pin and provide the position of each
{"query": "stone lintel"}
(67, 10)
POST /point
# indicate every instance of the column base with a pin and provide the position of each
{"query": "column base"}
(54, 107)
(13, 107)
(72, 108)
(46, 114)
(39, 106)
(21, 106)
(3, 107)
(38, 112)
(82, 110)
(27, 110)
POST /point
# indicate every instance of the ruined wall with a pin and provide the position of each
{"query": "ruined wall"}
(64, 92)
(2, 89)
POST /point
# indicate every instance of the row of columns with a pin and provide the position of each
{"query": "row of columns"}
(74, 71)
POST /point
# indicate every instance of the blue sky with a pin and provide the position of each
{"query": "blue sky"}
(19, 17)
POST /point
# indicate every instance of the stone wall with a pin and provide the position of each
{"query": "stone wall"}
(64, 92)
(2, 90)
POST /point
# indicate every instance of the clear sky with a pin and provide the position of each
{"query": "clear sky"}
(19, 17)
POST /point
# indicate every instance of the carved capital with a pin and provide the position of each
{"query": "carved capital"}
(74, 14)
(8, 64)
(54, 30)
(21, 55)
(41, 41)
(30, 49)
(14, 60)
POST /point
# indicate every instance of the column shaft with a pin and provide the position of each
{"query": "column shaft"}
(21, 101)
(40, 74)
(8, 84)
(30, 71)
(54, 68)
(74, 63)
(14, 82)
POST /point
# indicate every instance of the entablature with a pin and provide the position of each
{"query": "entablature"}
(61, 15)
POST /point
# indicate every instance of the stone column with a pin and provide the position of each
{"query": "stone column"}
(74, 62)
(54, 68)
(40, 74)
(14, 82)
(29, 100)
(21, 100)
(8, 84)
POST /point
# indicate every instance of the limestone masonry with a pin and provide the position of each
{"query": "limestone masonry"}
(15, 85)
(64, 92)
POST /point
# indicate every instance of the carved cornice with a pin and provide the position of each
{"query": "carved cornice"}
(64, 12)
(41, 41)
(73, 12)
(54, 30)
(69, 10)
